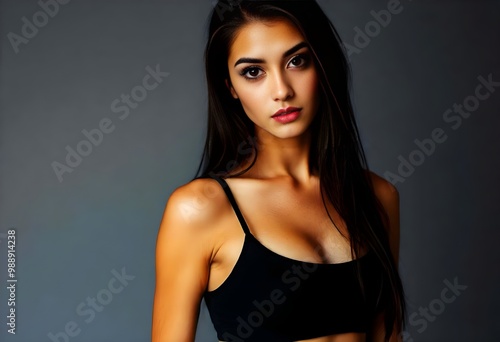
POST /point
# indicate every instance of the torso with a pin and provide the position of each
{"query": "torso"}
(289, 221)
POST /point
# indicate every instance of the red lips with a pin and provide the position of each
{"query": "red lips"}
(286, 111)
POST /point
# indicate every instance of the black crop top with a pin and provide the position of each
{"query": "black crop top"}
(270, 297)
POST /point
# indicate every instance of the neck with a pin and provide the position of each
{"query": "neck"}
(283, 157)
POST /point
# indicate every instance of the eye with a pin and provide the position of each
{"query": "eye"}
(299, 61)
(251, 73)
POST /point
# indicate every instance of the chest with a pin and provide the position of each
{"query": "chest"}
(296, 224)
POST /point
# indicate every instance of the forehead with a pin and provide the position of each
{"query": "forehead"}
(264, 38)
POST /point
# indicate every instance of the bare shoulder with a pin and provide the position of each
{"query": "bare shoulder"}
(385, 191)
(196, 202)
(194, 210)
(388, 195)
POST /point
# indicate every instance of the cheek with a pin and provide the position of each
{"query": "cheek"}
(311, 84)
(252, 109)
(311, 87)
(250, 98)
(248, 95)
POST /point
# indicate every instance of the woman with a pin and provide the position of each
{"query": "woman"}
(286, 233)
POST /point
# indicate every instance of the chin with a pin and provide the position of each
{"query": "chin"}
(293, 132)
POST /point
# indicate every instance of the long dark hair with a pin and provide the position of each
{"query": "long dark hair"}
(336, 151)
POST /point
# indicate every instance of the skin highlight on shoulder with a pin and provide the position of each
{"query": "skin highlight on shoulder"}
(199, 201)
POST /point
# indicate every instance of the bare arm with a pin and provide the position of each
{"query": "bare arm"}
(182, 267)
(388, 196)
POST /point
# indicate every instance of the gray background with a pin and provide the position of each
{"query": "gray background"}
(104, 215)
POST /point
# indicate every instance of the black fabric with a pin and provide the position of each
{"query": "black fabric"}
(269, 297)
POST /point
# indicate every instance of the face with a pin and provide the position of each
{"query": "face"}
(271, 69)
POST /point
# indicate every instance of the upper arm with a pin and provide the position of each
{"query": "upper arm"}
(183, 252)
(388, 196)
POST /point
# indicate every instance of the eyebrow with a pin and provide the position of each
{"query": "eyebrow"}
(259, 60)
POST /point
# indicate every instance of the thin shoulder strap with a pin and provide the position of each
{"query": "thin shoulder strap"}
(230, 196)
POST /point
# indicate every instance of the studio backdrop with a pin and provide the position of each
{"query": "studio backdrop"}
(103, 114)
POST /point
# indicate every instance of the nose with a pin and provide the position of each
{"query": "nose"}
(281, 88)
